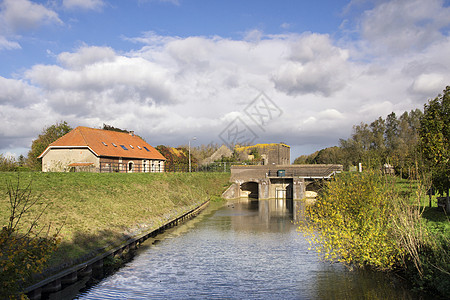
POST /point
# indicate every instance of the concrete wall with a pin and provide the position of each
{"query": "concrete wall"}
(267, 189)
(272, 187)
(57, 160)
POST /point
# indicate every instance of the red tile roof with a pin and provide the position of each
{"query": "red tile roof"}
(95, 139)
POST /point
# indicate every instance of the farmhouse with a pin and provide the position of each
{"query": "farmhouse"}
(96, 150)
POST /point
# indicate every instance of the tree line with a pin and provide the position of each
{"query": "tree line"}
(415, 142)
(392, 140)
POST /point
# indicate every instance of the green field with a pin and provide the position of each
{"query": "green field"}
(96, 210)
(435, 217)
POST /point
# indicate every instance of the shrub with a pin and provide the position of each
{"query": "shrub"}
(364, 220)
(351, 222)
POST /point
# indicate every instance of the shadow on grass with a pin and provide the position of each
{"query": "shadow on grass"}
(435, 214)
(84, 247)
(438, 222)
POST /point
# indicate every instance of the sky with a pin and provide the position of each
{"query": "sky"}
(223, 72)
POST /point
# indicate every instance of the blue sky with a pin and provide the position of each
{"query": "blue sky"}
(107, 24)
(172, 70)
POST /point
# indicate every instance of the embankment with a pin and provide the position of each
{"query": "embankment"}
(99, 211)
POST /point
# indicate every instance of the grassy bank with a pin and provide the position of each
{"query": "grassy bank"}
(96, 210)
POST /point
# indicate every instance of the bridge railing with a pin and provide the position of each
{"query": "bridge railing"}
(314, 173)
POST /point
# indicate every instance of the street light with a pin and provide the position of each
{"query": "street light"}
(194, 138)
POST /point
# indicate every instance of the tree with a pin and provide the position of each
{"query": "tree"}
(406, 152)
(177, 159)
(435, 137)
(391, 132)
(355, 149)
(112, 128)
(330, 155)
(7, 163)
(48, 136)
(21, 161)
(306, 159)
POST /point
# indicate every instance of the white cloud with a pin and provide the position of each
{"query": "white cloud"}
(403, 25)
(174, 2)
(17, 93)
(86, 56)
(313, 66)
(169, 87)
(427, 84)
(8, 45)
(21, 15)
(253, 35)
(285, 25)
(83, 4)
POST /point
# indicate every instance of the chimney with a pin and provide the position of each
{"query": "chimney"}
(131, 133)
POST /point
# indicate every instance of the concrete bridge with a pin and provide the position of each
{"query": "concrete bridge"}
(277, 181)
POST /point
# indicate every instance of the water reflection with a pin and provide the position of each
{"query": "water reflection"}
(247, 250)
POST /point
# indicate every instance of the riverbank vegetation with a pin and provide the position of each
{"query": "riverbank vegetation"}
(367, 220)
(377, 218)
(94, 211)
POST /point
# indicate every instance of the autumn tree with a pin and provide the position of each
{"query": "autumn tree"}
(306, 159)
(355, 149)
(392, 132)
(407, 148)
(7, 163)
(48, 136)
(435, 138)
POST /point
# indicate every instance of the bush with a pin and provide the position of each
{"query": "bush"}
(351, 222)
(364, 220)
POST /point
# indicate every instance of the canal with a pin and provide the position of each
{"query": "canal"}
(248, 250)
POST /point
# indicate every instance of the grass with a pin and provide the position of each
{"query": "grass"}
(437, 220)
(96, 210)
(433, 249)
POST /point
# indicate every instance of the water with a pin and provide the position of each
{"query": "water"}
(241, 251)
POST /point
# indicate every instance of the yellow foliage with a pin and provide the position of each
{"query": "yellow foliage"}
(244, 148)
(351, 222)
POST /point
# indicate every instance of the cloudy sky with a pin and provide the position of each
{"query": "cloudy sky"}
(299, 72)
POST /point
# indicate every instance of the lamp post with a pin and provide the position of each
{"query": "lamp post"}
(194, 138)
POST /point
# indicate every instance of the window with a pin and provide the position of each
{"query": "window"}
(114, 144)
(131, 147)
(146, 149)
(104, 143)
(123, 147)
(139, 147)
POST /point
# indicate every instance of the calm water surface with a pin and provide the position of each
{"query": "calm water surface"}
(245, 250)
